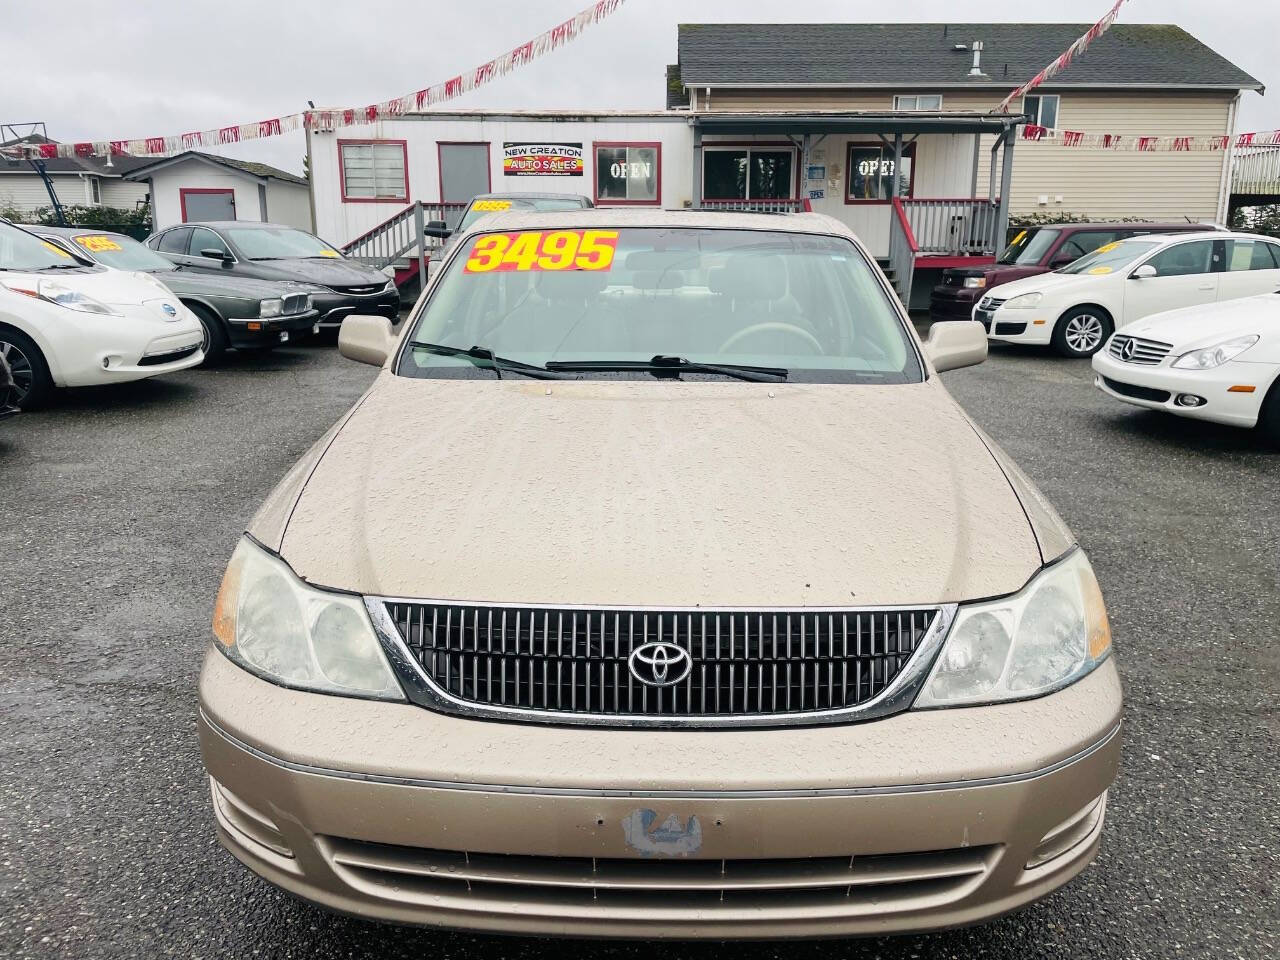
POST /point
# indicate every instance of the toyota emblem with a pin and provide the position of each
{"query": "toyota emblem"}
(1126, 350)
(660, 664)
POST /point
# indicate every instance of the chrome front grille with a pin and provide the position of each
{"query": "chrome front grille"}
(991, 303)
(564, 663)
(295, 303)
(1150, 352)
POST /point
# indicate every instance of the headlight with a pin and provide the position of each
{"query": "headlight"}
(1215, 356)
(51, 291)
(1050, 634)
(1024, 302)
(975, 283)
(274, 625)
(391, 285)
(270, 308)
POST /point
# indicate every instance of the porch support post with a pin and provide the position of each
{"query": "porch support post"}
(991, 185)
(977, 156)
(697, 166)
(897, 163)
(1006, 177)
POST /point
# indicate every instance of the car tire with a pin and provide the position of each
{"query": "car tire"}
(1269, 415)
(215, 341)
(1081, 332)
(32, 383)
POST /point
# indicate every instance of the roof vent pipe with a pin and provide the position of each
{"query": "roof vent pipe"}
(976, 69)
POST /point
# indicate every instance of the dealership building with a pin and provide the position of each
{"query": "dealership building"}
(893, 129)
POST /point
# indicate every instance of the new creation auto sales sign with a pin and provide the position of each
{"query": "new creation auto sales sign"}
(542, 159)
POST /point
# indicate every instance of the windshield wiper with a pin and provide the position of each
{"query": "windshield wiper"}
(484, 354)
(673, 366)
(64, 266)
(270, 258)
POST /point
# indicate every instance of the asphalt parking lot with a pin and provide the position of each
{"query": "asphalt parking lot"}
(120, 508)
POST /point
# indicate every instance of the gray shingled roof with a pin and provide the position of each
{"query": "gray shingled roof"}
(922, 54)
(253, 169)
(97, 165)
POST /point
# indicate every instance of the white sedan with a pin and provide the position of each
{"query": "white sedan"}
(1079, 306)
(1219, 362)
(66, 324)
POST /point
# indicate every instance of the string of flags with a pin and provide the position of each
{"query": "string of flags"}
(1149, 144)
(559, 35)
(1066, 57)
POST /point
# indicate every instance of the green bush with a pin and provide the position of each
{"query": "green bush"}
(134, 222)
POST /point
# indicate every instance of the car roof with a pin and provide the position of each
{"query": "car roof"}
(1187, 235)
(597, 217)
(76, 231)
(527, 195)
(1131, 225)
(220, 224)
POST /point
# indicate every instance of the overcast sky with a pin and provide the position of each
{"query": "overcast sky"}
(156, 67)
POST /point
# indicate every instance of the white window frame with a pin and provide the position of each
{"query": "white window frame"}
(1040, 98)
(93, 191)
(752, 148)
(900, 100)
(398, 146)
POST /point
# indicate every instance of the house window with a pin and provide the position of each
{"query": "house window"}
(95, 191)
(872, 173)
(918, 101)
(748, 173)
(628, 173)
(1042, 109)
(374, 170)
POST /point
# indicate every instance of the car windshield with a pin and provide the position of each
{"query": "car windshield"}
(278, 243)
(22, 251)
(121, 252)
(484, 206)
(1110, 258)
(808, 306)
(1028, 247)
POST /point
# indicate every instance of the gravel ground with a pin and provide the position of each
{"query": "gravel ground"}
(121, 506)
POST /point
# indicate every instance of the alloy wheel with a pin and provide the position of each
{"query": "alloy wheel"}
(1083, 333)
(23, 374)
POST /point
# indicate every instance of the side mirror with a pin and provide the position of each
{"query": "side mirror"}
(1144, 272)
(212, 253)
(366, 339)
(956, 343)
(1061, 261)
(437, 228)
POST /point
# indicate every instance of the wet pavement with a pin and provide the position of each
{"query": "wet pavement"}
(121, 506)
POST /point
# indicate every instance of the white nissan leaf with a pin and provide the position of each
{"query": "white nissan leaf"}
(66, 323)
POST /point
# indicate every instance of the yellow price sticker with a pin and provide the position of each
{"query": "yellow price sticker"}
(1018, 239)
(1100, 271)
(54, 248)
(98, 244)
(1107, 248)
(539, 251)
(326, 252)
(490, 206)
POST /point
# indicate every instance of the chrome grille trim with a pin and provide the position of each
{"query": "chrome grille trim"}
(295, 303)
(781, 686)
(1149, 352)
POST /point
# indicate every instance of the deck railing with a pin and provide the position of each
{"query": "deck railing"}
(958, 228)
(903, 250)
(758, 206)
(402, 236)
(1256, 172)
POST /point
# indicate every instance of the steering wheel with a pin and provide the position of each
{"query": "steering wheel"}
(773, 326)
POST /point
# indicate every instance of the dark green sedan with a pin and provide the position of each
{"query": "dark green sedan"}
(235, 312)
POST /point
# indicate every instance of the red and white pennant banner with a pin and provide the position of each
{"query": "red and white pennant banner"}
(552, 39)
(1064, 60)
(1148, 144)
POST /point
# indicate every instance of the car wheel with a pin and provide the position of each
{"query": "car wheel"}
(1082, 331)
(1269, 415)
(213, 337)
(32, 384)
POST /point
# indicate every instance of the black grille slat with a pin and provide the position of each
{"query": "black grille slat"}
(565, 661)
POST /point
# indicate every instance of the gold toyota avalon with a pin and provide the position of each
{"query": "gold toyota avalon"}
(658, 588)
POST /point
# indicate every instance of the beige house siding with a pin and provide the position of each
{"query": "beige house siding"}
(1105, 184)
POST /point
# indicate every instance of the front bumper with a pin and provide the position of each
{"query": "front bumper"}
(333, 308)
(918, 821)
(1015, 326)
(256, 332)
(953, 303)
(1158, 387)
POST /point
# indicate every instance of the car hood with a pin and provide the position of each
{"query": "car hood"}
(1189, 328)
(1045, 282)
(183, 282)
(116, 288)
(326, 271)
(654, 494)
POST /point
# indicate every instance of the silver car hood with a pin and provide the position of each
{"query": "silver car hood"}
(654, 493)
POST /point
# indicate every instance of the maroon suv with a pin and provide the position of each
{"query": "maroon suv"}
(1034, 250)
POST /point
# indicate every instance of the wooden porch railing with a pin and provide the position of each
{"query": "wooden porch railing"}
(402, 236)
(1256, 172)
(939, 227)
(903, 249)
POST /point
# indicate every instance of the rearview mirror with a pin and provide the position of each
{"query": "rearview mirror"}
(1143, 272)
(437, 228)
(956, 343)
(366, 339)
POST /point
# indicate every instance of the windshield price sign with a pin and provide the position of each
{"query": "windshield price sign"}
(98, 244)
(538, 251)
(542, 160)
